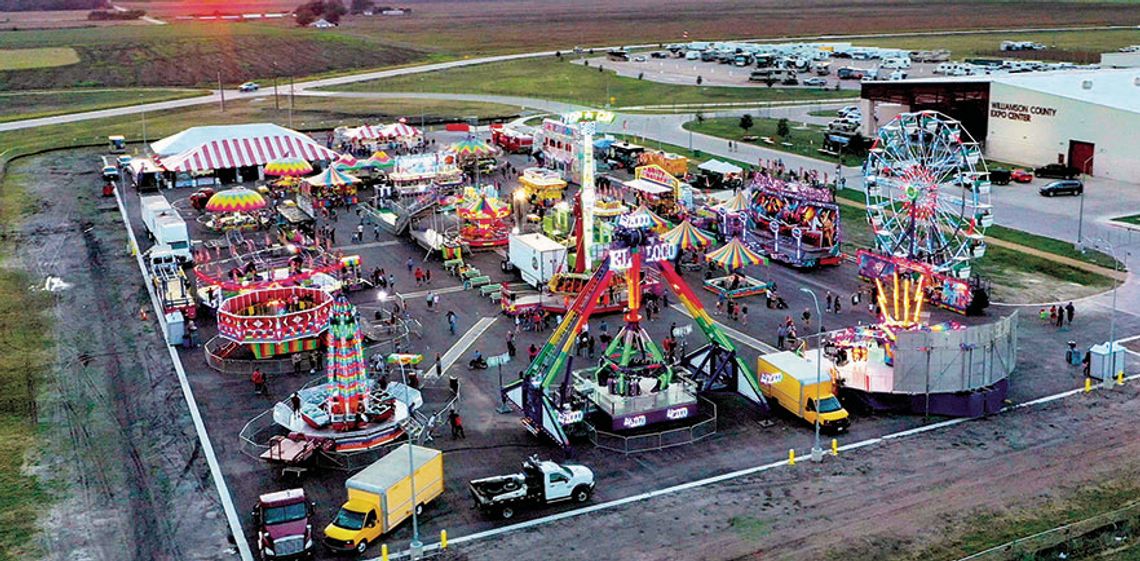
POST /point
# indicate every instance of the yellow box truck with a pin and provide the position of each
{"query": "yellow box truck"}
(380, 497)
(793, 386)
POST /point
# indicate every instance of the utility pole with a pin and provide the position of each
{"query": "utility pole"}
(276, 102)
(221, 91)
(290, 101)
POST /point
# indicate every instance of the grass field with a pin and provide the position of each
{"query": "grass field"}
(1132, 219)
(805, 141)
(549, 78)
(195, 54)
(30, 105)
(44, 57)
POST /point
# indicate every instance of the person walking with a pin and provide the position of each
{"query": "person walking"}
(532, 352)
(1060, 317)
(744, 314)
(410, 264)
(511, 349)
(451, 321)
(807, 318)
(827, 307)
(781, 335)
(1069, 311)
(295, 404)
(456, 423)
(258, 379)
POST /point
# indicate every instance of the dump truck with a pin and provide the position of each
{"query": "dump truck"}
(791, 381)
(284, 522)
(540, 483)
(380, 497)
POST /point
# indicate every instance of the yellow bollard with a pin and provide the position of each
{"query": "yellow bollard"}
(443, 539)
(384, 552)
(791, 456)
(835, 447)
(1120, 378)
(1088, 385)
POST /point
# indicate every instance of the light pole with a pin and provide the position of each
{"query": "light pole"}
(416, 546)
(816, 451)
(1107, 381)
(1081, 213)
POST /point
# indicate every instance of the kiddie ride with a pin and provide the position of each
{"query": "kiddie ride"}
(633, 385)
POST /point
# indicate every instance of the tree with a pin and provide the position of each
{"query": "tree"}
(361, 6)
(782, 129)
(304, 16)
(699, 80)
(746, 122)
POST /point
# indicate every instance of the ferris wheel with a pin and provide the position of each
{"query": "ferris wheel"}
(928, 192)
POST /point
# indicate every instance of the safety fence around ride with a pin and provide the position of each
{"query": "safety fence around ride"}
(647, 442)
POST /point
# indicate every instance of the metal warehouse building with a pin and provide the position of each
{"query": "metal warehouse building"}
(1089, 119)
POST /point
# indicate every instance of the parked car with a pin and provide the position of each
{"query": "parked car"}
(638, 59)
(1057, 171)
(815, 81)
(1000, 176)
(1021, 176)
(249, 87)
(659, 54)
(1063, 187)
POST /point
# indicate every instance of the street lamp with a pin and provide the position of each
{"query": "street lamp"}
(1081, 213)
(416, 546)
(816, 451)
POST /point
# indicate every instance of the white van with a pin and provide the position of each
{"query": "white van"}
(896, 63)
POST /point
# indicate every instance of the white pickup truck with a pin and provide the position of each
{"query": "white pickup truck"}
(541, 482)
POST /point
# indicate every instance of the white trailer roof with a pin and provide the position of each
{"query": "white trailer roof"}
(538, 242)
(389, 470)
(801, 368)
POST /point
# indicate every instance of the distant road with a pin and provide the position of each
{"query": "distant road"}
(301, 87)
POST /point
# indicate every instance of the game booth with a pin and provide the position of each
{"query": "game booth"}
(540, 184)
(795, 223)
(715, 174)
(904, 364)
(673, 164)
(417, 173)
(658, 189)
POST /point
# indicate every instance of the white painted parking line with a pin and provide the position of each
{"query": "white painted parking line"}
(444, 290)
(730, 475)
(456, 351)
(735, 334)
(367, 245)
(191, 402)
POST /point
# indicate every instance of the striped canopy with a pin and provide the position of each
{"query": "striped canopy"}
(399, 130)
(484, 208)
(238, 199)
(289, 166)
(687, 236)
(331, 177)
(347, 162)
(366, 132)
(734, 255)
(660, 225)
(380, 159)
(738, 203)
(472, 148)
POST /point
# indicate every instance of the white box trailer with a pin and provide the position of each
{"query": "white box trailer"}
(536, 257)
(165, 226)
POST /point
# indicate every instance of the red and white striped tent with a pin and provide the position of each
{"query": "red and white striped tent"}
(224, 147)
(400, 130)
(365, 132)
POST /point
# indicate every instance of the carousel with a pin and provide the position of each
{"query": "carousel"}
(328, 188)
(483, 222)
(237, 209)
(733, 257)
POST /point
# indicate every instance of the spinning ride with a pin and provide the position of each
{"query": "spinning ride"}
(633, 385)
(795, 223)
(348, 408)
(275, 321)
(483, 222)
(234, 209)
(928, 192)
(733, 257)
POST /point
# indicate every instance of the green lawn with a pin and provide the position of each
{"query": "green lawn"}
(15, 106)
(1131, 219)
(43, 57)
(803, 140)
(1054, 246)
(550, 78)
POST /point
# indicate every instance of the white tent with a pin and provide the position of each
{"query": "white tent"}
(717, 166)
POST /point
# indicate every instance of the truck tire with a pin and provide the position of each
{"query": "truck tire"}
(507, 513)
(581, 494)
(419, 509)
(362, 546)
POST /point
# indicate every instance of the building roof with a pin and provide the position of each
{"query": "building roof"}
(1116, 88)
(223, 147)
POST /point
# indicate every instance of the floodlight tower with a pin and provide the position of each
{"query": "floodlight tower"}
(587, 122)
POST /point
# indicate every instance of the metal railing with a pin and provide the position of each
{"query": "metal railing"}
(633, 444)
(284, 365)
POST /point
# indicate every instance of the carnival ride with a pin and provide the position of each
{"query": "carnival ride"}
(483, 222)
(348, 409)
(541, 184)
(794, 223)
(234, 209)
(245, 265)
(928, 192)
(275, 321)
(633, 385)
(733, 257)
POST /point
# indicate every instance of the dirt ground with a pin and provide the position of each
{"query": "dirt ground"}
(883, 502)
(119, 446)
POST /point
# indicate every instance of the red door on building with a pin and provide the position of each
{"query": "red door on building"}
(1081, 156)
